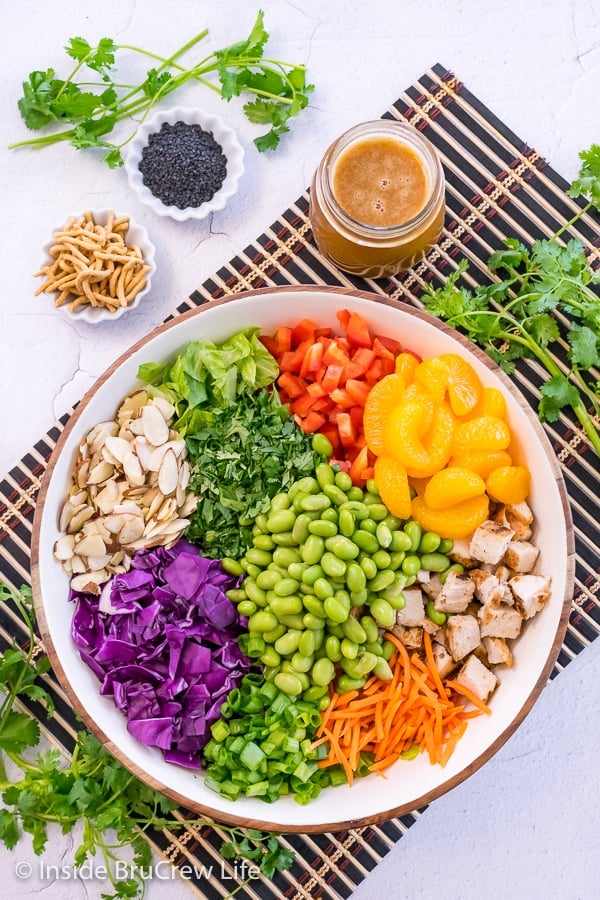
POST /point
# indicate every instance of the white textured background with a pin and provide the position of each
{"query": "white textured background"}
(527, 824)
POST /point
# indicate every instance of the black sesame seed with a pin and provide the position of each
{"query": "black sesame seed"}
(183, 165)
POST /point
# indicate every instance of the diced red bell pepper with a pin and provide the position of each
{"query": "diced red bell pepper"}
(302, 405)
(304, 330)
(357, 331)
(332, 377)
(270, 344)
(292, 385)
(391, 344)
(283, 336)
(359, 465)
(357, 390)
(343, 317)
(346, 430)
(335, 355)
(312, 422)
(313, 359)
(342, 398)
(361, 360)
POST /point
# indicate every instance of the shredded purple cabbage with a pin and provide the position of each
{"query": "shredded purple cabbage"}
(162, 639)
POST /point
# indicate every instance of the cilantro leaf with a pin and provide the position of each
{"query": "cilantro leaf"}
(9, 828)
(35, 105)
(155, 83)
(557, 393)
(543, 329)
(587, 182)
(17, 732)
(583, 346)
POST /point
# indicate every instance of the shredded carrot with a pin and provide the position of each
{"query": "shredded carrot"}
(388, 718)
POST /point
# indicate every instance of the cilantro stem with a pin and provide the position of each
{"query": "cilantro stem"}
(575, 219)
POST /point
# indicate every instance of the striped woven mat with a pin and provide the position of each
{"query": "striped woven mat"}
(497, 186)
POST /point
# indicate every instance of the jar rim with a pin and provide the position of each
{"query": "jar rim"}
(405, 133)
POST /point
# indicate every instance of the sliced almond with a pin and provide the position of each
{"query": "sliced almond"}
(107, 498)
(168, 474)
(64, 547)
(90, 582)
(95, 563)
(118, 447)
(154, 426)
(131, 530)
(131, 405)
(100, 473)
(90, 545)
(133, 469)
(80, 518)
(167, 409)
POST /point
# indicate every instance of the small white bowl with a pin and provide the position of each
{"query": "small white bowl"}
(136, 236)
(222, 134)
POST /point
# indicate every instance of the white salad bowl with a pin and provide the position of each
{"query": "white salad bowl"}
(408, 785)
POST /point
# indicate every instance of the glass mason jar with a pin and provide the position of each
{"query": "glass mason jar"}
(385, 172)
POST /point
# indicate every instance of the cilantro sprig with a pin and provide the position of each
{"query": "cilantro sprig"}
(92, 103)
(93, 789)
(546, 299)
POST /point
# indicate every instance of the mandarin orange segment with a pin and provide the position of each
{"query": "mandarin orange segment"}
(433, 375)
(491, 403)
(392, 483)
(456, 522)
(509, 484)
(450, 486)
(481, 461)
(436, 444)
(406, 363)
(482, 433)
(406, 425)
(464, 386)
(381, 400)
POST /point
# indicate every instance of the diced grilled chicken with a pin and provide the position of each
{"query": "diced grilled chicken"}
(462, 636)
(461, 553)
(520, 512)
(412, 638)
(477, 678)
(522, 531)
(530, 592)
(521, 556)
(489, 542)
(488, 587)
(432, 586)
(497, 651)
(456, 593)
(414, 608)
(443, 661)
(500, 621)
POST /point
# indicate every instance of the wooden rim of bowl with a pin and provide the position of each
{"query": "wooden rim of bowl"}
(393, 811)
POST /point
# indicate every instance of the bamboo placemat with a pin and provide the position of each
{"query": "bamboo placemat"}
(497, 186)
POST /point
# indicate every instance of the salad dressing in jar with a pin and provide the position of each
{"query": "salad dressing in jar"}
(377, 199)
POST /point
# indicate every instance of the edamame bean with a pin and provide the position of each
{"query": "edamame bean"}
(232, 566)
(354, 493)
(314, 605)
(365, 541)
(312, 573)
(262, 620)
(285, 587)
(346, 523)
(358, 508)
(280, 501)
(296, 622)
(254, 593)
(332, 648)
(288, 643)
(331, 564)
(377, 511)
(336, 610)
(263, 542)
(322, 445)
(382, 612)
(400, 542)
(307, 644)
(369, 567)
(246, 608)
(251, 569)
(285, 556)
(382, 580)
(323, 528)
(330, 515)
(429, 543)
(382, 670)
(382, 559)
(270, 657)
(334, 494)
(362, 665)
(348, 648)
(356, 579)
(359, 598)
(302, 663)
(411, 565)
(260, 558)
(372, 487)
(286, 606)
(383, 535)
(298, 498)
(312, 549)
(322, 672)
(369, 525)
(308, 485)
(285, 539)
(434, 562)
(324, 474)
(281, 520)
(414, 531)
(236, 594)
(315, 623)
(315, 693)
(323, 588)
(370, 628)
(297, 569)
(388, 650)
(438, 618)
(345, 684)
(271, 636)
(288, 683)
(315, 503)
(260, 522)
(342, 547)
(343, 481)
(446, 545)
(354, 631)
